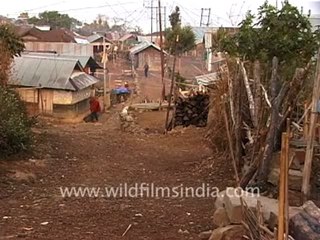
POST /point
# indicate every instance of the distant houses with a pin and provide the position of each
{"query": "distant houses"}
(146, 52)
(52, 85)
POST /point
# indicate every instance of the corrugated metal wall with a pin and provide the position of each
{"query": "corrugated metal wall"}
(61, 48)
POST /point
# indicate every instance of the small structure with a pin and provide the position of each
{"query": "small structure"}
(146, 52)
(34, 34)
(96, 40)
(51, 85)
(128, 40)
(87, 62)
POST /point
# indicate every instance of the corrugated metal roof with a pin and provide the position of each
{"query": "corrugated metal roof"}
(142, 46)
(81, 80)
(207, 79)
(84, 60)
(45, 72)
(96, 37)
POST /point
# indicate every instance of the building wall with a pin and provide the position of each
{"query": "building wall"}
(152, 57)
(61, 48)
(57, 103)
(67, 111)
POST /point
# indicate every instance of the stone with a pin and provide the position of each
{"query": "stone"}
(220, 217)
(219, 201)
(273, 219)
(234, 209)
(295, 178)
(205, 235)
(231, 232)
(24, 176)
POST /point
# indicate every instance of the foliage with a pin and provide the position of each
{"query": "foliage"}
(271, 50)
(99, 25)
(186, 39)
(15, 133)
(54, 19)
(285, 33)
(10, 45)
(10, 41)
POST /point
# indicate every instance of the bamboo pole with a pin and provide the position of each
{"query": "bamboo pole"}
(305, 122)
(311, 134)
(287, 179)
(172, 85)
(163, 90)
(231, 146)
(282, 188)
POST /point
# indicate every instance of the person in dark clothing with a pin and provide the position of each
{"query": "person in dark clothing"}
(146, 69)
(94, 108)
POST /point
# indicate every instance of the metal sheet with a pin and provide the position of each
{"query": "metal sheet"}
(81, 80)
(44, 72)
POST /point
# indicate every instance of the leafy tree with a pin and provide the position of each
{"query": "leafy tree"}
(275, 45)
(10, 45)
(54, 19)
(15, 132)
(10, 41)
(100, 25)
(186, 36)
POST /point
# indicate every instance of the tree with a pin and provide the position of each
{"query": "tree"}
(54, 19)
(10, 45)
(186, 35)
(275, 49)
(15, 132)
(99, 25)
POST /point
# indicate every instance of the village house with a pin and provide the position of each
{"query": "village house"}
(128, 40)
(90, 66)
(97, 41)
(146, 52)
(61, 41)
(56, 86)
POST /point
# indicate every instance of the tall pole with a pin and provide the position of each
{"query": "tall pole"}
(151, 20)
(163, 93)
(311, 134)
(104, 75)
(172, 83)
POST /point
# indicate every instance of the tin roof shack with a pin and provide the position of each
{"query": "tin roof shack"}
(89, 65)
(96, 41)
(146, 52)
(53, 86)
(128, 40)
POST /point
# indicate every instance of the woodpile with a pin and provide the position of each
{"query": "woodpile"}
(306, 224)
(192, 110)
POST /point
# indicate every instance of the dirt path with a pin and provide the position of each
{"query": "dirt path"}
(100, 155)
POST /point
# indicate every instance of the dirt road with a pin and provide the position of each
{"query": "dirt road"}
(100, 155)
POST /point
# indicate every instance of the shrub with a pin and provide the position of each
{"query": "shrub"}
(15, 126)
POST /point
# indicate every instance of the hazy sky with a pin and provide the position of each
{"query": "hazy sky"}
(226, 12)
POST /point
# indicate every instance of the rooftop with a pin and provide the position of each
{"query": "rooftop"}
(50, 72)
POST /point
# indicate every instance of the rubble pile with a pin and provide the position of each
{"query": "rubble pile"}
(230, 222)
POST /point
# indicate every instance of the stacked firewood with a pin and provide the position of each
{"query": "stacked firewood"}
(192, 110)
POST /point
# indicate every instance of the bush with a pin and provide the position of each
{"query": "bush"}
(15, 126)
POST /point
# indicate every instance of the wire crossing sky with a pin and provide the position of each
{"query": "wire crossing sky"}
(134, 12)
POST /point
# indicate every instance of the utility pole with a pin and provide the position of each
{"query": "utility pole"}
(105, 98)
(205, 17)
(151, 7)
(151, 20)
(163, 93)
(172, 87)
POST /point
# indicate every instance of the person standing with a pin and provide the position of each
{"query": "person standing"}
(95, 109)
(146, 69)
